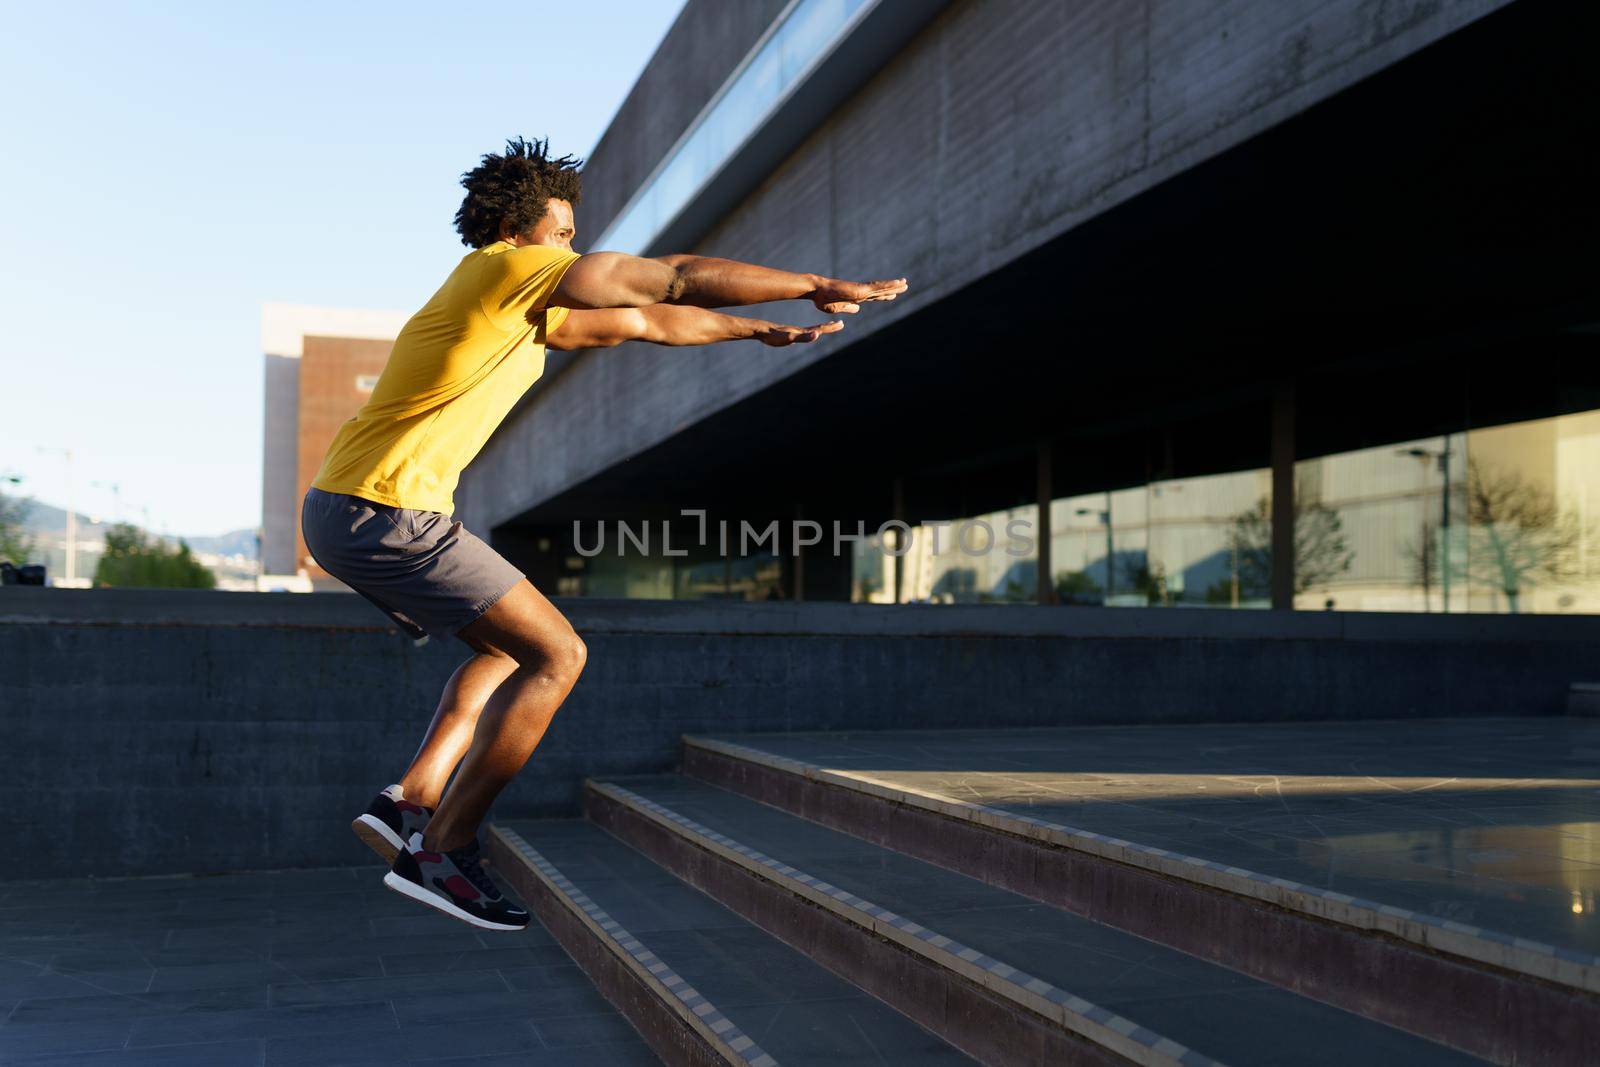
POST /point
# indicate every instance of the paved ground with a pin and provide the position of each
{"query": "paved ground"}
(1493, 822)
(293, 967)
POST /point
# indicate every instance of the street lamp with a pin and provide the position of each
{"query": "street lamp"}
(1111, 568)
(72, 516)
(1444, 519)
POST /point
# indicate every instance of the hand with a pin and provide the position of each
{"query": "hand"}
(778, 335)
(845, 298)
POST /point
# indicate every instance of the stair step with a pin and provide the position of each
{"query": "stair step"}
(1008, 980)
(703, 985)
(980, 804)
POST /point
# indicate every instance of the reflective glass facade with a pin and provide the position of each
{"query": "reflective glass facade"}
(1519, 530)
(1503, 519)
(1169, 543)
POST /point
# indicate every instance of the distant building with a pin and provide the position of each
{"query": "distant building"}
(320, 366)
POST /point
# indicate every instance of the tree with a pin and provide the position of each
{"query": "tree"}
(133, 558)
(15, 544)
(1148, 581)
(1320, 550)
(1517, 534)
(1423, 556)
(1076, 587)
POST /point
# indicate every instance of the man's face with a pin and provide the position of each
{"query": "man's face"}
(556, 229)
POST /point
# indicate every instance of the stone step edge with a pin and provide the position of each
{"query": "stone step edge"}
(1535, 959)
(1122, 1036)
(692, 1009)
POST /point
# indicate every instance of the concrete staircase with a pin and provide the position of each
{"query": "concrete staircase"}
(758, 909)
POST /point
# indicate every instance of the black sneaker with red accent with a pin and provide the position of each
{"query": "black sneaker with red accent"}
(389, 822)
(455, 882)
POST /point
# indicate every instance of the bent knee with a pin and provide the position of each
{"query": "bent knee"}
(574, 654)
(560, 658)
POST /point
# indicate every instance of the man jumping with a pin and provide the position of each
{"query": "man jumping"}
(378, 513)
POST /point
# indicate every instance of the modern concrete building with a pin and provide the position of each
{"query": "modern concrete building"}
(320, 365)
(1167, 262)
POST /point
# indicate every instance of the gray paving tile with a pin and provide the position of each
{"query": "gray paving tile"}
(302, 1020)
(244, 1053)
(531, 936)
(50, 984)
(542, 977)
(39, 952)
(137, 1005)
(323, 968)
(474, 959)
(81, 994)
(10, 968)
(615, 1056)
(532, 1005)
(210, 975)
(419, 1044)
(361, 944)
(415, 921)
(102, 957)
(464, 984)
(586, 1030)
(80, 1036)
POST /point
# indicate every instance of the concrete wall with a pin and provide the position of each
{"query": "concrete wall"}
(153, 732)
(1003, 125)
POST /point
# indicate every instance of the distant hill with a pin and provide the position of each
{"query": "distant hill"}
(232, 543)
(47, 521)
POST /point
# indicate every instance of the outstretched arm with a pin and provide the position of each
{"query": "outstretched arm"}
(615, 280)
(664, 324)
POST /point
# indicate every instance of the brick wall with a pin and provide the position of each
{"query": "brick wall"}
(331, 370)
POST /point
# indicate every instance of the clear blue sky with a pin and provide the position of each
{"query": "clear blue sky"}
(168, 167)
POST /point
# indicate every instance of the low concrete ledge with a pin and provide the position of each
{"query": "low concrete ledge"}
(187, 607)
(283, 712)
(346, 611)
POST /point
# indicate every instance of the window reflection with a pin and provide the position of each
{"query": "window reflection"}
(1500, 519)
(1181, 542)
(980, 559)
(699, 574)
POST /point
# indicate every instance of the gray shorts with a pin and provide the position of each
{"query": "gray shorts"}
(428, 574)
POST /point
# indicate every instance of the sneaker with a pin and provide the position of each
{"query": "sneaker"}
(456, 883)
(389, 822)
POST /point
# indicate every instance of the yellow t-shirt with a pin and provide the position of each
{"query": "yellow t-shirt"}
(456, 369)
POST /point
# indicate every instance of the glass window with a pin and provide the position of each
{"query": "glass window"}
(982, 559)
(1181, 542)
(1500, 519)
(811, 28)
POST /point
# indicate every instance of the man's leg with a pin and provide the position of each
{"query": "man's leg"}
(450, 733)
(549, 656)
